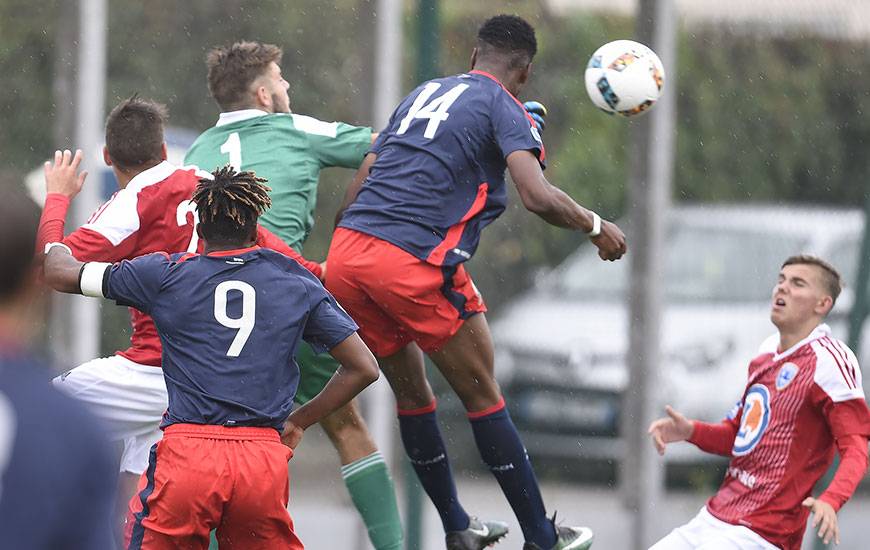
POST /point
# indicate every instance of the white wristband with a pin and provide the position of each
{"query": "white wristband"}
(91, 278)
(596, 226)
(49, 246)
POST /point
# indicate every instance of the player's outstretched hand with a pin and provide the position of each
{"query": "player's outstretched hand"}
(675, 427)
(538, 113)
(825, 518)
(610, 242)
(62, 176)
(292, 434)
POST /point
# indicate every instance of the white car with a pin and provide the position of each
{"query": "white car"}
(561, 346)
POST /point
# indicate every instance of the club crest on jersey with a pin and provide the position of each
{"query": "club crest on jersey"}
(787, 373)
(753, 423)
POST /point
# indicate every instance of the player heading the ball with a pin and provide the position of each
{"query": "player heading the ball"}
(413, 215)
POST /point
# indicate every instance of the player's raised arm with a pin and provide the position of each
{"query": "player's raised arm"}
(358, 368)
(556, 208)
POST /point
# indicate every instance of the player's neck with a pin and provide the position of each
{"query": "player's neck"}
(789, 336)
(222, 246)
(504, 75)
(125, 175)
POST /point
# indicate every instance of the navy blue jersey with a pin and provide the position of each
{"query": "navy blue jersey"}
(58, 476)
(438, 179)
(230, 323)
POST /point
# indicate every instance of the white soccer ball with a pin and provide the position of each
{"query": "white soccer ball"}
(624, 77)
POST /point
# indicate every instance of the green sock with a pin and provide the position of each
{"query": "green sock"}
(212, 541)
(371, 490)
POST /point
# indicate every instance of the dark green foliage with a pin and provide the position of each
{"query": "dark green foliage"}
(760, 119)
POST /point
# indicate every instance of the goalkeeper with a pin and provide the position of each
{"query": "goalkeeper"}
(257, 131)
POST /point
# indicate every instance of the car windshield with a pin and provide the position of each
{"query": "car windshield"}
(703, 264)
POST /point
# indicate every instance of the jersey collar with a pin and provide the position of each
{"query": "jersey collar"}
(234, 252)
(152, 175)
(487, 75)
(819, 332)
(238, 116)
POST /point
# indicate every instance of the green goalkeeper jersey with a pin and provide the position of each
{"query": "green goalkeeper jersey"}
(287, 149)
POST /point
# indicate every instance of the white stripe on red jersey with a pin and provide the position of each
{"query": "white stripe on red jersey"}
(152, 213)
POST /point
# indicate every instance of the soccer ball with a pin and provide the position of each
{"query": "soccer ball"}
(624, 77)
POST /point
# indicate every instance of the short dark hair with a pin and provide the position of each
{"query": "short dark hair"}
(830, 276)
(134, 132)
(232, 69)
(19, 221)
(508, 35)
(229, 204)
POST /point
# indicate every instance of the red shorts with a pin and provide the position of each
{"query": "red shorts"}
(199, 478)
(395, 297)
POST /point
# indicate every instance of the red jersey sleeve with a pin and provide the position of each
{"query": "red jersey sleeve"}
(52, 221)
(715, 438)
(267, 239)
(853, 466)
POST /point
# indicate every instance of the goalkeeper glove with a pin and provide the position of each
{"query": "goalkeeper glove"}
(538, 113)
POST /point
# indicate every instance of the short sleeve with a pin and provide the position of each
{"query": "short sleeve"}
(336, 143)
(328, 324)
(137, 282)
(839, 391)
(514, 128)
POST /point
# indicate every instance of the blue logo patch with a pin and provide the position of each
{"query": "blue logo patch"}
(786, 374)
(753, 423)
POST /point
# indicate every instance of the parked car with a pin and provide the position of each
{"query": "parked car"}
(561, 347)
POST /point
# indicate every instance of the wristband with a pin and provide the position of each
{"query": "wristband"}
(596, 226)
(91, 278)
(49, 246)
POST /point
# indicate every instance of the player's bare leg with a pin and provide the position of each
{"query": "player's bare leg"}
(348, 433)
(466, 361)
(366, 476)
(405, 371)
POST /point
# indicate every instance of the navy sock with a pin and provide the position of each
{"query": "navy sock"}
(425, 449)
(503, 453)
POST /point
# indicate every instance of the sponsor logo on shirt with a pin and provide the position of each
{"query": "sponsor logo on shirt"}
(756, 417)
(787, 373)
(744, 477)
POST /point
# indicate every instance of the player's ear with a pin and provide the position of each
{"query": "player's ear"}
(824, 306)
(525, 73)
(106, 158)
(264, 98)
(164, 152)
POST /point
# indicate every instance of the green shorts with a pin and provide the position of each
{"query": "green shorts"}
(314, 372)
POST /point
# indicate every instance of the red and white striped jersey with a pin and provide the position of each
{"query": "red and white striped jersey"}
(795, 404)
(153, 213)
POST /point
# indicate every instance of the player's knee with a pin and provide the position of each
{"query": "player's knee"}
(344, 423)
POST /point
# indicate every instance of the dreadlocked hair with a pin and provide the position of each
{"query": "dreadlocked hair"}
(229, 204)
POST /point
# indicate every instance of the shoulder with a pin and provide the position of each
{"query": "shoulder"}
(769, 344)
(285, 263)
(836, 371)
(311, 125)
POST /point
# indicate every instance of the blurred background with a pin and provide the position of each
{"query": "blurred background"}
(756, 152)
